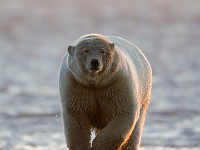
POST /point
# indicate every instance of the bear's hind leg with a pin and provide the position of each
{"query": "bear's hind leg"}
(134, 141)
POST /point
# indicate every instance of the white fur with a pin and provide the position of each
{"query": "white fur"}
(114, 102)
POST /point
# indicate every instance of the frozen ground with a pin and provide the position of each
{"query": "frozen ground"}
(35, 34)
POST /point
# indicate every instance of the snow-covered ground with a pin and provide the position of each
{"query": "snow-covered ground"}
(34, 36)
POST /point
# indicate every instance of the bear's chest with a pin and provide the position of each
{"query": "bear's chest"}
(100, 105)
(97, 108)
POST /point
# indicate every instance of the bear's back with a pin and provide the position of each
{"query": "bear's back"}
(131, 51)
(139, 61)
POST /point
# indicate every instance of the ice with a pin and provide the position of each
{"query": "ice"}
(34, 36)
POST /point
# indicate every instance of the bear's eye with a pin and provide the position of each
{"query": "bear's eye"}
(103, 50)
(85, 51)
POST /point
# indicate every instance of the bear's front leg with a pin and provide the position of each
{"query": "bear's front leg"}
(77, 131)
(116, 132)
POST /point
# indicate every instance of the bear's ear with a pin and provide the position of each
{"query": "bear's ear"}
(112, 45)
(70, 50)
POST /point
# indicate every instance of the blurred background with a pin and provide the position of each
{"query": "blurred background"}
(34, 36)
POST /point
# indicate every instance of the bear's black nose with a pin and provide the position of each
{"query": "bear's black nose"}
(94, 64)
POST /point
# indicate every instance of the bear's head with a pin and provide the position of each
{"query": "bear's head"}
(92, 56)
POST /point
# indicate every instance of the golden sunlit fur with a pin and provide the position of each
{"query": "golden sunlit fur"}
(112, 99)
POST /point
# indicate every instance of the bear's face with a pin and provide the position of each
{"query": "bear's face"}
(92, 56)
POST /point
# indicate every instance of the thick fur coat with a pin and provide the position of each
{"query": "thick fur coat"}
(105, 84)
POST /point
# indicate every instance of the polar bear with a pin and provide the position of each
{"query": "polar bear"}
(105, 84)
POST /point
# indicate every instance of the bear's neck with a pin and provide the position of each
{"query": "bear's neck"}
(98, 81)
